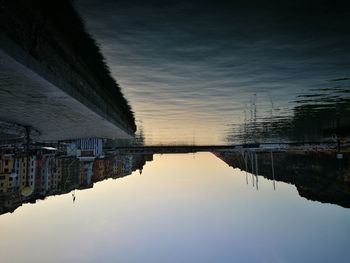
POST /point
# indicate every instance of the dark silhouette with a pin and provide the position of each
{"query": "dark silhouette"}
(53, 33)
(317, 175)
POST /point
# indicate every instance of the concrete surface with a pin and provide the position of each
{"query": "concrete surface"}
(27, 98)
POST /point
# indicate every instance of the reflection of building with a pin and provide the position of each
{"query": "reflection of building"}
(7, 150)
(6, 164)
(127, 164)
(8, 179)
(121, 165)
(70, 173)
(118, 166)
(26, 175)
(3, 183)
(38, 176)
(86, 148)
(57, 173)
(100, 169)
(85, 173)
(48, 174)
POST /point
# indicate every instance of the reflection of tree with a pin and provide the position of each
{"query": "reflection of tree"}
(139, 135)
(318, 176)
(315, 117)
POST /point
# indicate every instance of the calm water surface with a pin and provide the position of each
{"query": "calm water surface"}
(204, 71)
(182, 208)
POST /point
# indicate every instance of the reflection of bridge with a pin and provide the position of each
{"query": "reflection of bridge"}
(266, 147)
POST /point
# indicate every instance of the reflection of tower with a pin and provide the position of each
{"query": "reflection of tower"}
(245, 125)
(271, 111)
(139, 136)
(254, 116)
(252, 122)
(256, 171)
(273, 171)
(27, 190)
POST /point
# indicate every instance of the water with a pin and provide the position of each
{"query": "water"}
(192, 70)
(181, 208)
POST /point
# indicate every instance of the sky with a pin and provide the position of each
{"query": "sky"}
(190, 69)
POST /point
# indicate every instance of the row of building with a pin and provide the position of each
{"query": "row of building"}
(45, 172)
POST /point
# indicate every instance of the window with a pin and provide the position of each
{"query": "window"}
(6, 162)
(6, 170)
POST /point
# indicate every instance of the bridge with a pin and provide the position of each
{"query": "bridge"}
(53, 78)
(259, 147)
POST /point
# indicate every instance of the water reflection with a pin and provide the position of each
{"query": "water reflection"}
(183, 208)
(320, 172)
(320, 114)
(29, 176)
(191, 68)
(317, 174)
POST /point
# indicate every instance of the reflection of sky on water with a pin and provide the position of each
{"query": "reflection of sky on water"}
(190, 68)
(199, 211)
